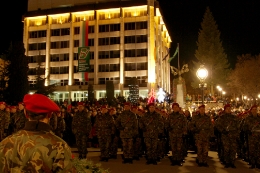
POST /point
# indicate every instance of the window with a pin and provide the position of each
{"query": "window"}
(101, 80)
(55, 45)
(65, 31)
(64, 70)
(114, 67)
(130, 66)
(55, 58)
(103, 28)
(141, 25)
(64, 57)
(115, 54)
(91, 29)
(114, 40)
(141, 52)
(76, 30)
(91, 42)
(36, 59)
(103, 41)
(103, 54)
(103, 68)
(129, 39)
(37, 46)
(114, 27)
(54, 70)
(92, 55)
(32, 71)
(55, 32)
(141, 38)
(64, 44)
(33, 34)
(91, 68)
(41, 46)
(130, 26)
(75, 56)
(130, 53)
(142, 66)
(76, 43)
(76, 69)
(41, 33)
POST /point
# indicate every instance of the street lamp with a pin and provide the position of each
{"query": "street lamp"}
(202, 74)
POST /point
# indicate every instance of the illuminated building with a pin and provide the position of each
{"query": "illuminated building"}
(126, 38)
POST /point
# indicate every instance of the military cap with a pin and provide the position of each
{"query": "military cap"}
(80, 103)
(134, 107)
(150, 104)
(201, 106)
(20, 103)
(2, 103)
(226, 106)
(112, 109)
(175, 104)
(39, 103)
(13, 107)
(104, 106)
(127, 103)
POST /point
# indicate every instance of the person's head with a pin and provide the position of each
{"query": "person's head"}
(127, 106)
(13, 109)
(151, 107)
(227, 108)
(20, 106)
(7, 108)
(81, 106)
(187, 113)
(175, 107)
(94, 112)
(112, 111)
(253, 110)
(39, 107)
(202, 109)
(104, 109)
(134, 109)
(2, 106)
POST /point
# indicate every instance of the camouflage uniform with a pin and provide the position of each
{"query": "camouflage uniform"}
(152, 125)
(252, 127)
(61, 126)
(4, 124)
(105, 127)
(19, 120)
(177, 127)
(81, 127)
(228, 125)
(115, 141)
(127, 124)
(202, 126)
(53, 122)
(35, 149)
(138, 140)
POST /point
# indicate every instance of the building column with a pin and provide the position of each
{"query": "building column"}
(122, 49)
(47, 53)
(71, 55)
(96, 52)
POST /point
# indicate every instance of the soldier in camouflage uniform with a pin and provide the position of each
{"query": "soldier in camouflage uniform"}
(61, 126)
(35, 148)
(81, 127)
(4, 121)
(115, 137)
(228, 125)
(252, 127)
(152, 125)
(177, 127)
(127, 124)
(137, 139)
(202, 127)
(105, 128)
(19, 118)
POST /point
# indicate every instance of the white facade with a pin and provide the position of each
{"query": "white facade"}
(125, 42)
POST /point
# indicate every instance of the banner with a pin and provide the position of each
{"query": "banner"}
(84, 59)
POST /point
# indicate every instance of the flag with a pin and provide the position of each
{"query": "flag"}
(176, 51)
(168, 51)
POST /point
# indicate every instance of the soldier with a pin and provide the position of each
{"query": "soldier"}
(53, 121)
(252, 127)
(127, 124)
(177, 127)
(202, 127)
(4, 121)
(37, 144)
(105, 128)
(115, 137)
(137, 139)
(19, 118)
(152, 125)
(81, 126)
(61, 126)
(228, 125)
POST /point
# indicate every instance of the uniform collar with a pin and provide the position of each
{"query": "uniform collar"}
(37, 126)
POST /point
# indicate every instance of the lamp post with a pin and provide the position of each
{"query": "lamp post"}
(202, 74)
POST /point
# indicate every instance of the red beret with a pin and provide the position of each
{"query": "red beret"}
(8, 107)
(13, 107)
(226, 106)
(202, 106)
(134, 107)
(112, 109)
(104, 106)
(254, 106)
(2, 103)
(127, 103)
(39, 103)
(175, 104)
(21, 103)
(80, 103)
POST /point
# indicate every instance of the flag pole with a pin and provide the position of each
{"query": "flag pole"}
(178, 56)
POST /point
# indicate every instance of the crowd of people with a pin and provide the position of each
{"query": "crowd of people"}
(150, 131)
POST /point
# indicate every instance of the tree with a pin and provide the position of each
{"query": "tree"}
(17, 70)
(3, 76)
(245, 78)
(210, 52)
(40, 82)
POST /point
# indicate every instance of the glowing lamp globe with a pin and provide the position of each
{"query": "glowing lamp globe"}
(202, 73)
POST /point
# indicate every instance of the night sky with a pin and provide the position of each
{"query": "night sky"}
(238, 22)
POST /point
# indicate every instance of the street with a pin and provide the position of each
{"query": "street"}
(116, 165)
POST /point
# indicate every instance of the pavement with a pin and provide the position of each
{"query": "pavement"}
(190, 166)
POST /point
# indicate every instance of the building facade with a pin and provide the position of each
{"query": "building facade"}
(126, 38)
